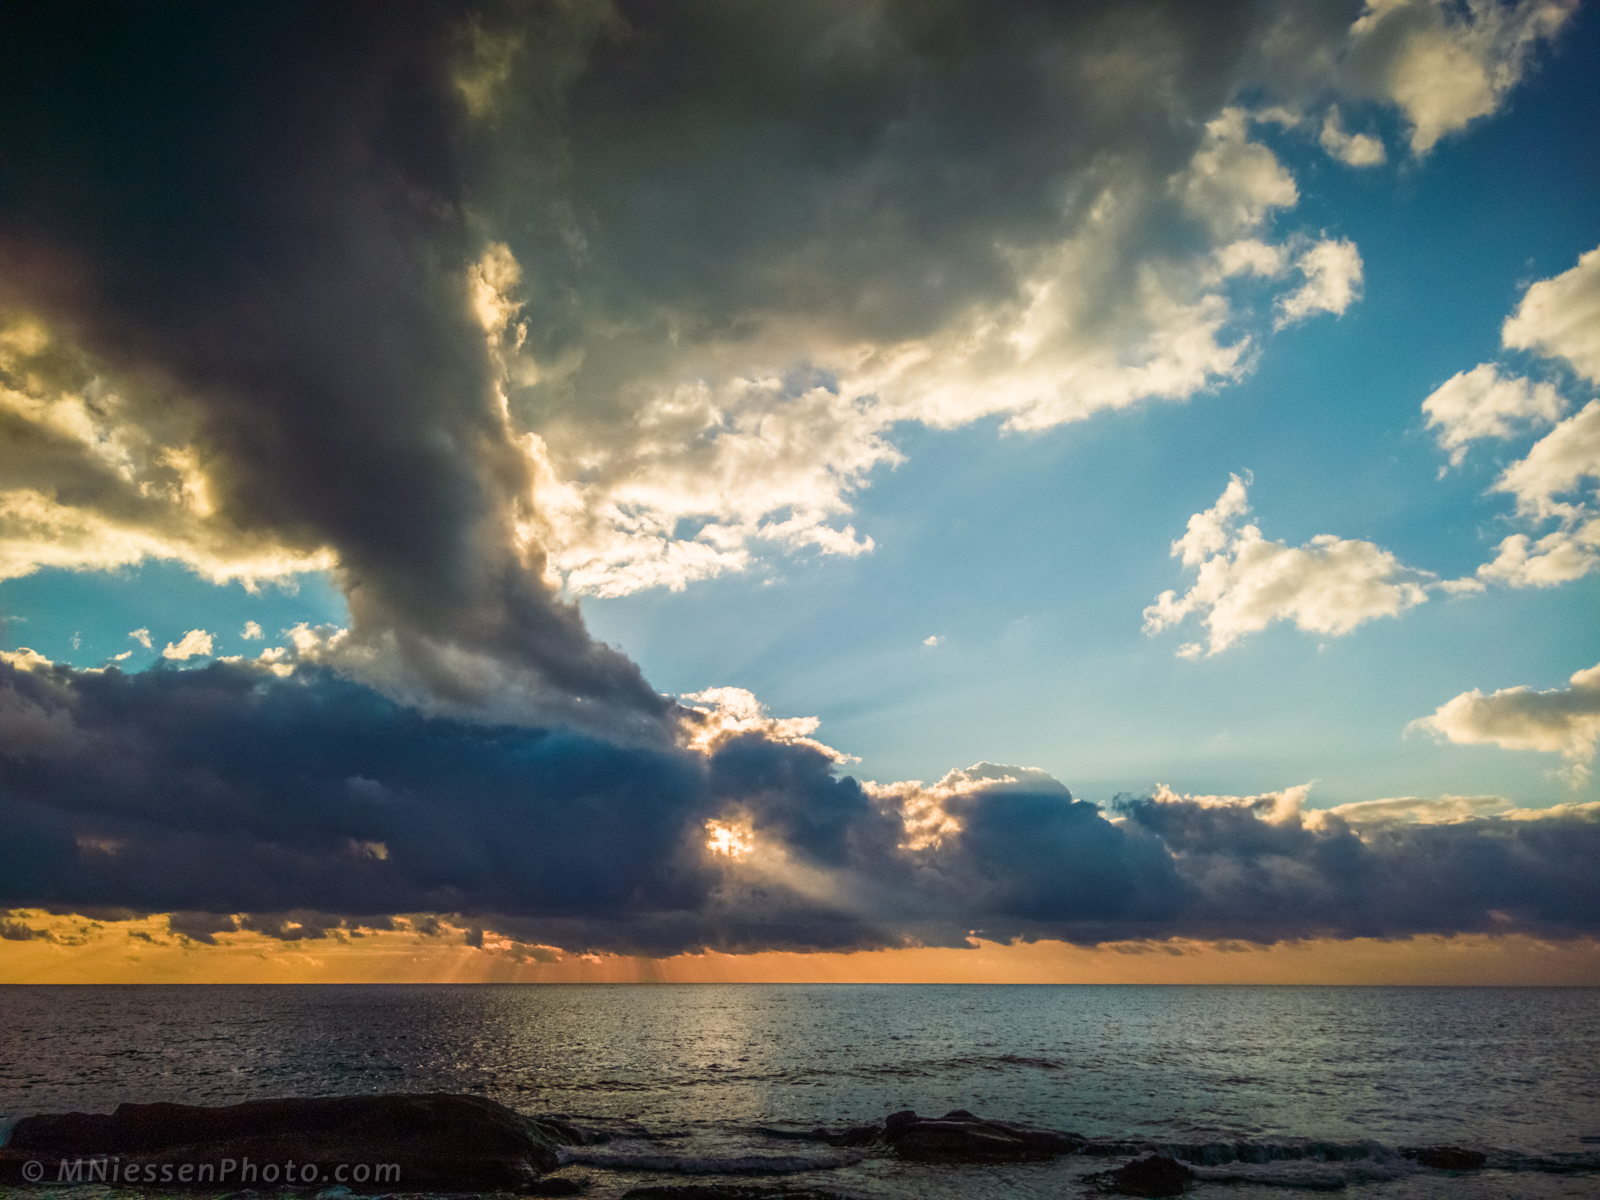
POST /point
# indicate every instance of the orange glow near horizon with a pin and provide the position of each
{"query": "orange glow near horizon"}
(74, 949)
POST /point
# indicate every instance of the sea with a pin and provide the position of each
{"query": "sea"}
(1265, 1091)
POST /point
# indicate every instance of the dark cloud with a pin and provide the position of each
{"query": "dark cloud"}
(1305, 875)
(864, 172)
(308, 807)
(201, 926)
(263, 210)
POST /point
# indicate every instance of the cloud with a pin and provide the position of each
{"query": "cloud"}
(1557, 465)
(1445, 64)
(933, 639)
(142, 636)
(1330, 585)
(1269, 860)
(1554, 559)
(1332, 271)
(1352, 149)
(235, 799)
(251, 631)
(99, 475)
(1563, 721)
(1550, 481)
(1232, 183)
(1560, 318)
(559, 356)
(195, 642)
(1481, 403)
(328, 403)
(573, 297)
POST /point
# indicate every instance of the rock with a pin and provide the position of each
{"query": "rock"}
(559, 1186)
(432, 1142)
(961, 1137)
(727, 1191)
(1153, 1175)
(1445, 1158)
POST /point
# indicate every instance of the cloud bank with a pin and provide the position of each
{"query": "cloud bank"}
(311, 801)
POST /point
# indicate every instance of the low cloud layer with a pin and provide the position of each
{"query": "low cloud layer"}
(317, 805)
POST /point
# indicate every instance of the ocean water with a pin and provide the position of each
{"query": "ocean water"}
(702, 1083)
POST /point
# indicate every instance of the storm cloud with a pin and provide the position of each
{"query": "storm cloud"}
(238, 799)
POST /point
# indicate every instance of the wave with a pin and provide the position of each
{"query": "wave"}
(1298, 1164)
(643, 1156)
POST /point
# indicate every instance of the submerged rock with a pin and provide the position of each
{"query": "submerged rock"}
(1445, 1158)
(961, 1137)
(1153, 1175)
(367, 1143)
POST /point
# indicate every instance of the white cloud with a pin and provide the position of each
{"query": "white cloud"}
(1251, 256)
(251, 631)
(699, 478)
(142, 636)
(1563, 721)
(1556, 558)
(1560, 317)
(1553, 481)
(1481, 403)
(1330, 585)
(1352, 149)
(1232, 183)
(24, 659)
(932, 640)
(195, 642)
(1275, 808)
(747, 462)
(125, 655)
(725, 712)
(1332, 270)
(1446, 63)
(1556, 466)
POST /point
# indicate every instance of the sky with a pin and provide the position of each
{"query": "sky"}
(969, 491)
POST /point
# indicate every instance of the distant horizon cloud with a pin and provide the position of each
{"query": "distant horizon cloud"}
(229, 789)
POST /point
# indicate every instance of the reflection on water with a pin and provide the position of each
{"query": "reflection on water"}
(1506, 1068)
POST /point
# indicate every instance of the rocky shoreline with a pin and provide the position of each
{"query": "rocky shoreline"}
(436, 1142)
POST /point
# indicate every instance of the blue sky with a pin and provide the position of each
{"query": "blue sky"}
(817, 356)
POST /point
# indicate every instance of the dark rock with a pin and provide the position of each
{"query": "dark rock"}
(727, 1191)
(1445, 1158)
(432, 1142)
(559, 1186)
(1153, 1175)
(961, 1137)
